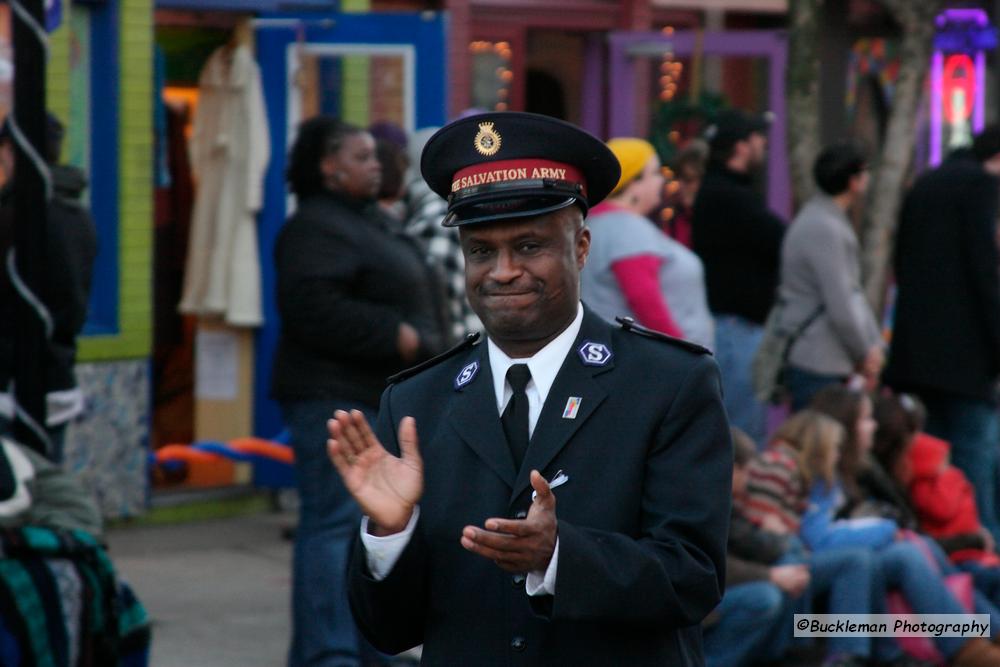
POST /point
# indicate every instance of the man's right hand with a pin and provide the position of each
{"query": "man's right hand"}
(793, 579)
(386, 487)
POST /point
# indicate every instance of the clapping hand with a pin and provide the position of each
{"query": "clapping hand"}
(519, 545)
(386, 487)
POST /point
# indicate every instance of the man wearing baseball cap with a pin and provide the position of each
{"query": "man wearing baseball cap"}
(739, 241)
(566, 499)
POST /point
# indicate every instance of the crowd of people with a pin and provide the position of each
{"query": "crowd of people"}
(875, 493)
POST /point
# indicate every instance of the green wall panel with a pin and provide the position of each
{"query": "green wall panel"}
(135, 204)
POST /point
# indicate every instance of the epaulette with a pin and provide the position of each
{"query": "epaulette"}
(469, 341)
(628, 324)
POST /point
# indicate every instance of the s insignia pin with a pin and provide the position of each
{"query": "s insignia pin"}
(466, 375)
(594, 354)
(487, 141)
(572, 407)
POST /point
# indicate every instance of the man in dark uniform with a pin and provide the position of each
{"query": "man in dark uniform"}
(569, 499)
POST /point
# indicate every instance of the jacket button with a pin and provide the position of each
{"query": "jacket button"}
(521, 515)
(518, 643)
(517, 580)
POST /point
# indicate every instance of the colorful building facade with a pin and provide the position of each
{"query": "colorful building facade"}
(104, 84)
(100, 86)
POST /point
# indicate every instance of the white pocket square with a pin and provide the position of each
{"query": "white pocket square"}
(559, 479)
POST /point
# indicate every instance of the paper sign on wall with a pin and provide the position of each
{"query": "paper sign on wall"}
(216, 365)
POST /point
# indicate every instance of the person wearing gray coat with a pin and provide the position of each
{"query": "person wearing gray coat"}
(821, 283)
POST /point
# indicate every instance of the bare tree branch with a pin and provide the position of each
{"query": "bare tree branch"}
(916, 21)
(802, 92)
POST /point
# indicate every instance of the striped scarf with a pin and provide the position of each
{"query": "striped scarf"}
(61, 604)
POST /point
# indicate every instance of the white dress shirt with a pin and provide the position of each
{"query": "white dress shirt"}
(383, 552)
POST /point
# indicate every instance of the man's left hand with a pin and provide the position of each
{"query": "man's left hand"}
(519, 545)
(871, 366)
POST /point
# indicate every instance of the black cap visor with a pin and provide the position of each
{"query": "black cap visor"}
(514, 199)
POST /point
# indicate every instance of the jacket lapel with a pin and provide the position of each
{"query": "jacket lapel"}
(575, 379)
(474, 417)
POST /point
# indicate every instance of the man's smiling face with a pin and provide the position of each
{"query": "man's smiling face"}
(523, 276)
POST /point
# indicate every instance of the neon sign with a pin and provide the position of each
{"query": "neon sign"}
(958, 79)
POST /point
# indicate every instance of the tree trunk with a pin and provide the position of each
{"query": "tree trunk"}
(916, 21)
(802, 81)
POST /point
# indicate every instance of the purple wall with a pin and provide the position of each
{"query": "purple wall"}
(622, 119)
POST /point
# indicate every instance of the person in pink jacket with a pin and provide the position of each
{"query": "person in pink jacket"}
(634, 269)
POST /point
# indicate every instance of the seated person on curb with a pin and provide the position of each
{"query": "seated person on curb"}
(892, 451)
(754, 619)
(898, 564)
(778, 486)
(945, 503)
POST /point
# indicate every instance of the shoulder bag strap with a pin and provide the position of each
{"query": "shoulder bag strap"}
(799, 331)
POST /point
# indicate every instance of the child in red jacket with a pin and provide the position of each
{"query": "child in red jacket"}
(945, 503)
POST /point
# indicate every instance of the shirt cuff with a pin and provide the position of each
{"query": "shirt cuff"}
(383, 552)
(544, 583)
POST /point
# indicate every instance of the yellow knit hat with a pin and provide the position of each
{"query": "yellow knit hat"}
(632, 154)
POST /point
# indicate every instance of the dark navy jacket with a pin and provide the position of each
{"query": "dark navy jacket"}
(71, 249)
(739, 241)
(345, 282)
(946, 330)
(643, 518)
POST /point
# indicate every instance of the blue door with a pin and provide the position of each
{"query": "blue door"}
(362, 68)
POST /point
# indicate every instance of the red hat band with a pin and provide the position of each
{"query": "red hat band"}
(505, 171)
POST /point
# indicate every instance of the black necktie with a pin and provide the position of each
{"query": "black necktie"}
(515, 416)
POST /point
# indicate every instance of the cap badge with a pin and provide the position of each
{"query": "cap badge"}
(488, 140)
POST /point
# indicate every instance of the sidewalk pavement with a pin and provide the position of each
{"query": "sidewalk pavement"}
(217, 591)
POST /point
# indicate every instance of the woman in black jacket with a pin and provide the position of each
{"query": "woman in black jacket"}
(357, 304)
